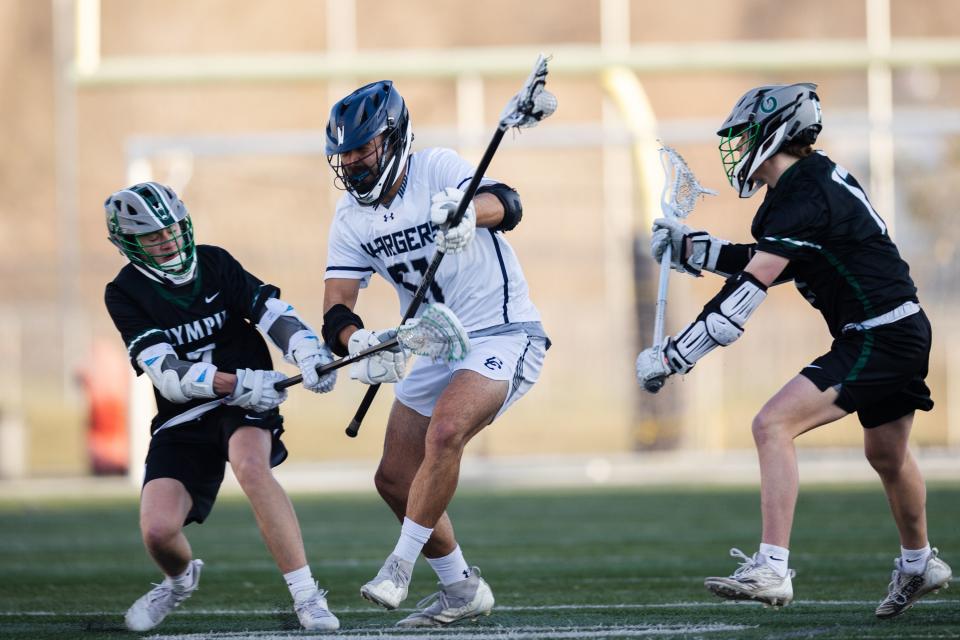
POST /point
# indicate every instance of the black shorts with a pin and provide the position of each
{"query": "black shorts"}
(879, 372)
(196, 452)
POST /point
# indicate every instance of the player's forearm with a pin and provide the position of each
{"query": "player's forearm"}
(224, 383)
(489, 210)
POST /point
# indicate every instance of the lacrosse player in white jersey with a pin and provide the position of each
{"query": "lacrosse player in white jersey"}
(391, 221)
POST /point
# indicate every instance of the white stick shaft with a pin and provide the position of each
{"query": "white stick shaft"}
(658, 321)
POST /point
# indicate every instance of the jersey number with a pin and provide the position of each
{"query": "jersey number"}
(398, 270)
(839, 176)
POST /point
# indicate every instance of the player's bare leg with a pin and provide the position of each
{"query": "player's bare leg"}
(403, 450)
(467, 405)
(164, 505)
(250, 459)
(887, 451)
(919, 570)
(249, 451)
(797, 408)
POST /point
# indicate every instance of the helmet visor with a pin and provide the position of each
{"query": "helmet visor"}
(735, 144)
(170, 250)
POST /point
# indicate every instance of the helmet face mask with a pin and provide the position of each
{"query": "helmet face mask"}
(373, 120)
(151, 227)
(763, 121)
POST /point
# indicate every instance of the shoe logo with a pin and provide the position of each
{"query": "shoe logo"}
(466, 573)
(914, 560)
(210, 299)
(776, 558)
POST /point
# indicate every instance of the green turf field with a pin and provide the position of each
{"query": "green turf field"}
(590, 564)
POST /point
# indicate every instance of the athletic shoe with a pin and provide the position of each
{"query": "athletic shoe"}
(905, 589)
(754, 580)
(461, 600)
(314, 614)
(152, 607)
(389, 588)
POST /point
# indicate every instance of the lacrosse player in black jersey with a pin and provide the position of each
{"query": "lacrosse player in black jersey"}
(189, 316)
(817, 228)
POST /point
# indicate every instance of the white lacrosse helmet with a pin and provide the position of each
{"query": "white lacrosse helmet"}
(762, 122)
(146, 208)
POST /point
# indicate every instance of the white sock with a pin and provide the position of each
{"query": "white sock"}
(776, 557)
(183, 581)
(914, 561)
(301, 583)
(412, 538)
(450, 568)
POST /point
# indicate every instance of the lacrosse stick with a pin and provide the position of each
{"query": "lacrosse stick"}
(437, 334)
(678, 198)
(531, 105)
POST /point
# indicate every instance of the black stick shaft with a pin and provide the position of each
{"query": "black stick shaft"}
(342, 362)
(354, 427)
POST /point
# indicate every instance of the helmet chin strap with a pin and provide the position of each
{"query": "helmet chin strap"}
(158, 275)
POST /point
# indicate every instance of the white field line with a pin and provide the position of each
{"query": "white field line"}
(551, 607)
(518, 633)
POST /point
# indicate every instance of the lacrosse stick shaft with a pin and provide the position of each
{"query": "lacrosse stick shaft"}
(342, 362)
(354, 427)
(653, 385)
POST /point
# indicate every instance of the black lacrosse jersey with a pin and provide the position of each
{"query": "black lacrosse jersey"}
(210, 319)
(841, 256)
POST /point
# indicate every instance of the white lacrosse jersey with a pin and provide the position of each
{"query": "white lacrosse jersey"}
(483, 285)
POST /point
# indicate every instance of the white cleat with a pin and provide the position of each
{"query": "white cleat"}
(389, 588)
(470, 598)
(754, 580)
(314, 614)
(152, 607)
(905, 589)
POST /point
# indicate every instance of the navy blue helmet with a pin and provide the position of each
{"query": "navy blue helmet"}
(376, 109)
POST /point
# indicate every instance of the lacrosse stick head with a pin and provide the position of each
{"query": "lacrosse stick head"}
(437, 334)
(681, 190)
(533, 103)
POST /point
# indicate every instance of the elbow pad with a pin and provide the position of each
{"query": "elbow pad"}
(512, 207)
(285, 328)
(177, 380)
(719, 324)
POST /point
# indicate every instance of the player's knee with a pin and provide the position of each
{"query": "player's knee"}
(390, 486)
(884, 461)
(251, 471)
(766, 428)
(159, 534)
(445, 435)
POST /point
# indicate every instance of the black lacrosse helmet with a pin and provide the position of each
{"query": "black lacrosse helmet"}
(372, 110)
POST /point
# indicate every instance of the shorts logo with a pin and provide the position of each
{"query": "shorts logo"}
(493, 363)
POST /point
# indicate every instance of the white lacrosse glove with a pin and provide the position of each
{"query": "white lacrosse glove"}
(255, 391)
(651, 364)
(309, 354)
(443, 205)
(382, 367)
(704, 247)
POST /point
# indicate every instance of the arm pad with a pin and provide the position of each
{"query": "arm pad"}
(281, 323)
(336, 319)
(177, 380)
(512, 207)
(719, 324)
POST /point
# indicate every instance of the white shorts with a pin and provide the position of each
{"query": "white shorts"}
(516, 357)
